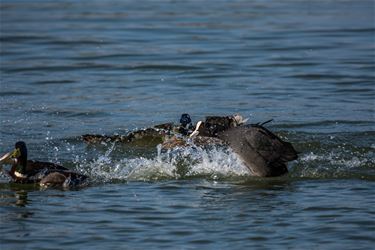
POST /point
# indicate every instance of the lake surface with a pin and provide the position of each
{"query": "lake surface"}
(108, 67)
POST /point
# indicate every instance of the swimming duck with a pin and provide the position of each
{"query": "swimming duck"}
(44, 173)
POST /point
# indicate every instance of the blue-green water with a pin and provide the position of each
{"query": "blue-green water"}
(74, 67)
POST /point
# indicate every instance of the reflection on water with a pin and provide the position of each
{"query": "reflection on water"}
(21, 197)
(15, 194)
(14, 209)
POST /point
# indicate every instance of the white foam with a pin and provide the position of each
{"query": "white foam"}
(179, 163)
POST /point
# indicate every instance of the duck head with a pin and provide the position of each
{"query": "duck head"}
(185, 124)
(185, 120)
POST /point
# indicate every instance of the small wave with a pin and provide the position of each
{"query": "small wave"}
(58, 68)
(165, 67)
(22, 38)
(72, 113)
(14, 93)
(52, 82)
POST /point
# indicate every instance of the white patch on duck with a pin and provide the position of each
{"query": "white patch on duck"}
(196, 132)
(19, 175)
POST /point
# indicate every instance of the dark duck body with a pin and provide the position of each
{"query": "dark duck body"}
(25, 171)
(263, 153)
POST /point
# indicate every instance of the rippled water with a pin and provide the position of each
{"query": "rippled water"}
(75, 67)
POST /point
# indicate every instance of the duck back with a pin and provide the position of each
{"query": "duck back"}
(264, 153)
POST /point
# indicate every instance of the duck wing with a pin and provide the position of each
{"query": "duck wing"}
(263, 152)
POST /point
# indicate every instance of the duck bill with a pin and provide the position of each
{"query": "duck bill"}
(8, 157)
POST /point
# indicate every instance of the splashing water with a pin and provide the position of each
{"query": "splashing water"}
(179, 163)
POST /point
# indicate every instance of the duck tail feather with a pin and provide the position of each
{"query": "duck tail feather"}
(263, 123)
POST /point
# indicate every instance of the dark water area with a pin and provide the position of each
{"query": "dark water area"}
(75, 67)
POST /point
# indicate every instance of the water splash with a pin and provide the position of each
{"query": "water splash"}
(179, 163)
(333, 158)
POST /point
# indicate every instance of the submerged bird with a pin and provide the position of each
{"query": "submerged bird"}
(45, 173)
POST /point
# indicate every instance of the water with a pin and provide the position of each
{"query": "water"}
(74, 67)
